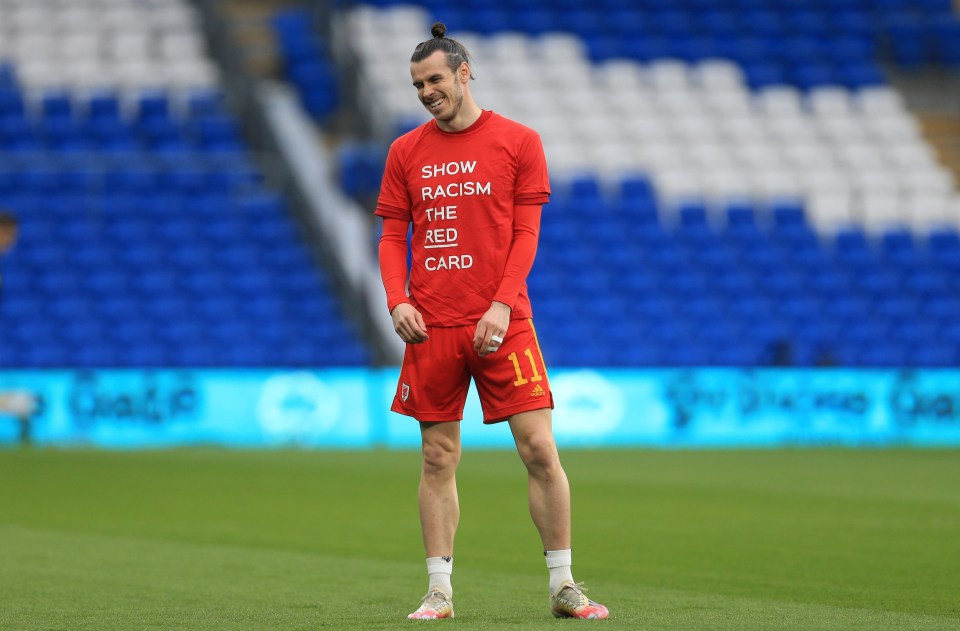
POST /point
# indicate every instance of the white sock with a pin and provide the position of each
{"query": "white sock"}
(558, 562)
(440, 569)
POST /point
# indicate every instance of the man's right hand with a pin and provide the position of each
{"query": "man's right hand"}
(408, 323)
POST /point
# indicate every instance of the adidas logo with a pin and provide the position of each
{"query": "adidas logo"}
(537, 391)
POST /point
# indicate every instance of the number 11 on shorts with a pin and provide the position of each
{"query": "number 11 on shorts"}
(521, 380)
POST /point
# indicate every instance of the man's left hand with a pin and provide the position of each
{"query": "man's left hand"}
(491, 329)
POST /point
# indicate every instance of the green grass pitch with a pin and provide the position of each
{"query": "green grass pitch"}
(215, 540)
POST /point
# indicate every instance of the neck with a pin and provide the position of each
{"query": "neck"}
(468, 115)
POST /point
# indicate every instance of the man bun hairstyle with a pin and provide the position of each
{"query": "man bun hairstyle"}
(455, 52)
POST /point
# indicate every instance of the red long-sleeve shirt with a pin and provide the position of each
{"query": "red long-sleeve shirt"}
(474, 200)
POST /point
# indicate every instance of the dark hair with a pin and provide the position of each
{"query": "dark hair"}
(456, 52)
(7, 220)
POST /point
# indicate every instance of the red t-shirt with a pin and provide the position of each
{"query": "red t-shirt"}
(459, 189)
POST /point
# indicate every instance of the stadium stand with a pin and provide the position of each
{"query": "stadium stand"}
(306, 62)
(735, 181)
(149, 236)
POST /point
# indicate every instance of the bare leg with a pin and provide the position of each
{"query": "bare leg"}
(549, 491)
(437, 495)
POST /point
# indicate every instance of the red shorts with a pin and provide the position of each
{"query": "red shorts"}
(435, 375)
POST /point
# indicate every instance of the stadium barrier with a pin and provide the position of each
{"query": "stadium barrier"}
(349, 408)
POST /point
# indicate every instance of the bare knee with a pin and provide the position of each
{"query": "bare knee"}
(539, 455)
(441, 455)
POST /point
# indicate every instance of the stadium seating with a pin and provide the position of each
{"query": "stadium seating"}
(148, 234)
(735, 183)
(306, 62)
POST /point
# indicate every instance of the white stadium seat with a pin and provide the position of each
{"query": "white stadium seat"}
(933, 180)
(129, 47)
(779, 101)
(678, 183)
(726, 103)
(827, 102)
(880, 211)
(858, 154)
(621, 74)
(718, 75)
(879, 100)
(181, 46)
(774, 182)
(559, 48)
(756, 154)
(566, 158)
(191, 74)
(694, 128)
(669, 75)
(872, 180)
(893, 127)
(80, 46)
(831, 211)
(787, 128)
(726, 182)
(38, 74)
(665, 155)
(84, 74)
(679, 101)
(744, 129)
(823, 180)
(929, 209)
(841, 129)
(809, 153)
(909, 154)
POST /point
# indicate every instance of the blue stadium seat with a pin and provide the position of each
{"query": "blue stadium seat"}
(601, 48)
(788, 215)
(8, 76)
(735, 354)
(44, 354)
(763, 23)
(740, 214)
(906, 40)
(153, 105)
(933, 356)
(103, 105)
(935, 7)
(848, 50)
(158, 132)
(587, 23)
(721, 24)
(944, 33)
(56, 104)
(645, 49)
(202, 102)
(809, 23)
(162, 308)
(686, 354)
(859, 75)
(537, 21)
(11, 103)
(90, 356)
(761, 74)
(148, 354)
(888, 355)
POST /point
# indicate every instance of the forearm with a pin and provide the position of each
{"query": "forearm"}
(393, 261)
(523, 252)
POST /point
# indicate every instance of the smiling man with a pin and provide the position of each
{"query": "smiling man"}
(472, 184)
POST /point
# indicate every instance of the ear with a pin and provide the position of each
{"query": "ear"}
(463, 72)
